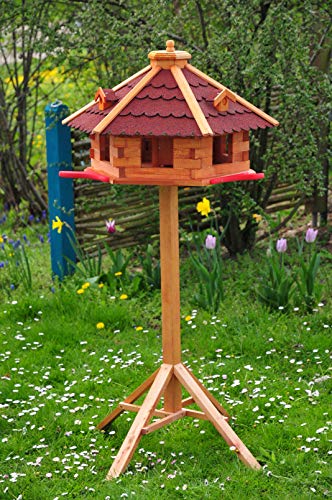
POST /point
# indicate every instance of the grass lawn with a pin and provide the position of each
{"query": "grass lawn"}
(61, 375)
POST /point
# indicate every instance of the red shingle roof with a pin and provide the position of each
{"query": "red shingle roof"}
(161, 108)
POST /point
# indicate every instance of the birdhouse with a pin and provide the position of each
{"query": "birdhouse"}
(169, 124)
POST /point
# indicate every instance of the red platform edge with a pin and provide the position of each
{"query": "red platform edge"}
(244, 176)
(83, 175)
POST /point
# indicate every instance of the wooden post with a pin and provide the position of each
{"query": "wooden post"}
(60, 191)
(170, 290)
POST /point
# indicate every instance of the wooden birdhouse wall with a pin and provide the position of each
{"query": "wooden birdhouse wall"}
(125, 151)
(162, 159)
(240, 147)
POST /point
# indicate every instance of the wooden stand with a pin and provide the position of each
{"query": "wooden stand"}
(168, 380)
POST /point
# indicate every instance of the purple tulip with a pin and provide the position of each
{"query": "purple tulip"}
(210, 242)
(311, 235)
(281, 245)
(110, 226)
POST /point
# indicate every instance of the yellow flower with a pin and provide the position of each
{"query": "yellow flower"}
(119, 273)
(100, 325)
(85, 286)
(187, 318)
(1, 239)
(101, 285)
(203, 207)
(257, 217)
(80, 291)
(123, 296)
(138, 328)
(57, 224)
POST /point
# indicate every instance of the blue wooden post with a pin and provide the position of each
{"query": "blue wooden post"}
(60, 191)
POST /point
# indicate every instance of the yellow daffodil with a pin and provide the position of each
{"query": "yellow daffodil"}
(123, 296)
(80, 291)
(57, 224)
(119, 273)
(100, 325)
(203, 207)
(138, 328)
(85, 285)
(257, 217)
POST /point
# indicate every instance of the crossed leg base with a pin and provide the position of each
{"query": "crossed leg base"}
(155, 387)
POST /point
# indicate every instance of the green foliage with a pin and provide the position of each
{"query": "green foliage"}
(288, 277)
(15, 263)
(151, 268)
(276, 287)
(207, 266)
(88, 266)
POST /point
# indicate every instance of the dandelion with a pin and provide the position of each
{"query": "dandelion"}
(110, 226)
(80, 291)
(57, 224)
(1, 239)
(203, 207)
(257, 218)
(119, 273)
(311, 235)
(123, 296)
(85, 285)
(101, 285)
(281, 245)
(100, 325)
(210, 242)
(138, 328)
(187, 318)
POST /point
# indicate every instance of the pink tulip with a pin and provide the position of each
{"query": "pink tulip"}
(311, 235)
(110, 226)
(210, 242)
(281, 245)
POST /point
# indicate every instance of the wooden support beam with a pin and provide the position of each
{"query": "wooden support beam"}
(187, 401)
(141, 389)
(214, 416)
(163, 421)
(142, 418)
(208, 394)
(170, 289)
(136, 408)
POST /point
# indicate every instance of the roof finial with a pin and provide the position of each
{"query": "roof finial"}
(170, 46)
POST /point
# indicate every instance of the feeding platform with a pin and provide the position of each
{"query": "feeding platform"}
(169, 125)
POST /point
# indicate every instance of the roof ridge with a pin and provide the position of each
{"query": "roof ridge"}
(78, 112)
(126, 100)
(239, 99)
(131, 78)
(117, 87)
(191, 101)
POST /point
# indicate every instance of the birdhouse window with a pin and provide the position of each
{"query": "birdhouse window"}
(147, 150)
(157, 152)
(222, 149)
